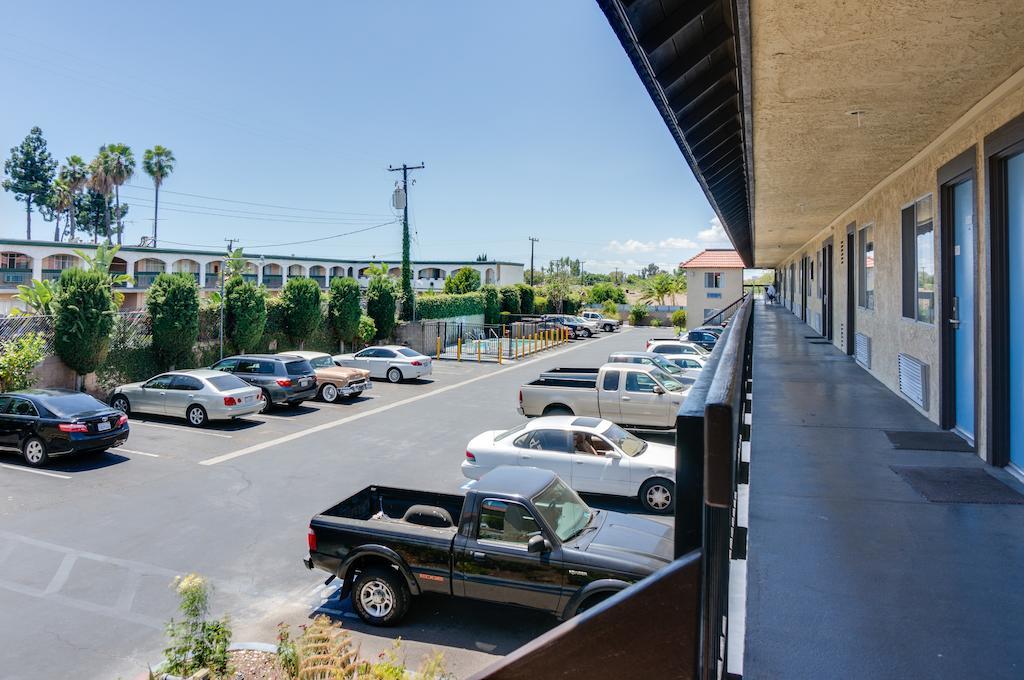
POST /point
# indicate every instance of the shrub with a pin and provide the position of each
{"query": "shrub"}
(679, 319)
(343, 310)
(301, 302)
(572, 304)
(505, 318)
(610, 309)
(196, 642)
(526, 300)
(381, 300)
(274, 328)
(245, 315)
(656, 323)
(638, 313)
(17, 359)
(173, 305)
(492, 303)
(367, 329)
(602, 292)
(85, 318)
(540, 305)
(128, 361)
(510, 301)
(444, 306)
(466, 280)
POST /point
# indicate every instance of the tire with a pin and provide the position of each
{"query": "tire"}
(33, 450)
(587, 333)
(196, 415)
(121, 403)
(328, 393)
(394, 375)
(591, 601)
(658, 496)
(609, 328)
(380, 596)
(267, 402)
(558, 410)
(297, 402)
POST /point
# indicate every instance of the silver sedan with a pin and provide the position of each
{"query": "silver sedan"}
(392, 362)
(197, 396)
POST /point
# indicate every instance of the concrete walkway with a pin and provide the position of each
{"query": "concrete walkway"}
(851, 573)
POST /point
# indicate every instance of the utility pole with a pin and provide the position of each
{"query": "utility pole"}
(408, 298)
(223, 302)
(532, 241)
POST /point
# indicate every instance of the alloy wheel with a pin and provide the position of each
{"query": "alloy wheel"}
(659, 497)
(196, 416)
(377, 598)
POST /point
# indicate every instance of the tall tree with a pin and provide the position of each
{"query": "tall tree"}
(30, 171)
(62, 201)
(158, 163)
(122, 167)
(76, 173)
(100, 182)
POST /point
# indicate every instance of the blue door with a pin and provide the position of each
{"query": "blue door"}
(963, 305)
(1015, 246)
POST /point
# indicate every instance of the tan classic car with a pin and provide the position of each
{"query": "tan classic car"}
(335, 381)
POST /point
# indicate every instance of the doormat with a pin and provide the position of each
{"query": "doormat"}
(819, 342)
(927, 441)
(957, 485)
(815, 337)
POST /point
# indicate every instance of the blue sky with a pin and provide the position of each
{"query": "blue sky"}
(528, 115)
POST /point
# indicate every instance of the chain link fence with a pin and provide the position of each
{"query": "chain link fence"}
(131, 329)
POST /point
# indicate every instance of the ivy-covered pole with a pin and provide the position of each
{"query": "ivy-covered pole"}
(401, 200)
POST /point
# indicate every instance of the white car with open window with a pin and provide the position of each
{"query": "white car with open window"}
(591, 455)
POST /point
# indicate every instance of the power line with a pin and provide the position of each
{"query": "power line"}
(260, 205)
(309, 219)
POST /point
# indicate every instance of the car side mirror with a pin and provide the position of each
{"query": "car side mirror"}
(538, 544)
(612, 454)
(658, 389)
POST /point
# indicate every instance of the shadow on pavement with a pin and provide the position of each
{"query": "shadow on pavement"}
(214, 425)
(73, 462)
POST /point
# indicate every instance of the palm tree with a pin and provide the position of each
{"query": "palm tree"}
(62, 200)
(122, 167)
(158, 163)
(76, 174)
(100, 182)
(659, 287)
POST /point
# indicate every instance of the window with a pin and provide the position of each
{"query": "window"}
(506, 522)
(322, 362)
(712, 279)
(21, 407)
(228, 365)
(544, 440)
(639, 382)
(161, 382)
(301, 367)
(709, 313)
(866, 267)
(15, 261)
(563, 510)
(186, 382)
(227, 382)
(918, 242)
(611, 381)
(405, 351)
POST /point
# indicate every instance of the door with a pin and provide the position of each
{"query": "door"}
(640, 404)
(958, 305)
(597, 467)
(826, 289)
(608, 396)
(496, 566)
(151, 396)
(548, 450)
(851, 292)
(181, 393)
(20, 418)
(1015, 254)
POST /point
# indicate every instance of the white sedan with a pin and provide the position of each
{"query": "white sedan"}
(591, 455)
(392, 362)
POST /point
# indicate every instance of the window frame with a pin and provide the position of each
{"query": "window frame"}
(863, 300)
(496, 541)
(910, 259)
(717, 280)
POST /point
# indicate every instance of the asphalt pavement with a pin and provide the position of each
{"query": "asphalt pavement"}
(90, 545)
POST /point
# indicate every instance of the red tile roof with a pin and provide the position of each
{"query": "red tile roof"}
(714, 258)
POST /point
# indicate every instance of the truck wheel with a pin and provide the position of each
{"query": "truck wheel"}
(558, 411)
(658, 495)
(380, 596)
(587, 333)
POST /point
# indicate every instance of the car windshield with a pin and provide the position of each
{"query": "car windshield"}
(405, 351)
(666, 365)
(69, 405)
(300, 367)
(322, 362)
(563, 510)
(668, 382)
(506, 433)
(227, 382)
(630, 444)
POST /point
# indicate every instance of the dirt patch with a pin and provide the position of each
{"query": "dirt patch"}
(252, 665)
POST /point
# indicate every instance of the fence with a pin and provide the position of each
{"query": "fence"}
(131, 329)
(463, 341)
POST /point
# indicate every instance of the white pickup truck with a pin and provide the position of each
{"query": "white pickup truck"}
(631, 395)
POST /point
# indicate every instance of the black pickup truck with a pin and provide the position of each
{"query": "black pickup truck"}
(519, 536)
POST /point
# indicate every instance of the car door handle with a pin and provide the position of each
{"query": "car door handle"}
(478, 556)
(627, 399)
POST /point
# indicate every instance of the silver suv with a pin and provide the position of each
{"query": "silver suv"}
(284, 379)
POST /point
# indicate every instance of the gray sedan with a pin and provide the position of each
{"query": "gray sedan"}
(197, 396)
(393, 362)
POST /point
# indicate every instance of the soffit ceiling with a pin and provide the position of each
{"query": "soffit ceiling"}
(914, 67)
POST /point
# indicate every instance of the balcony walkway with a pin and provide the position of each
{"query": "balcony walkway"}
(851, 573)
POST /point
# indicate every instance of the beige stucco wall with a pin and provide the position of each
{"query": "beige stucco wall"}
(890, 332)
(697, 299)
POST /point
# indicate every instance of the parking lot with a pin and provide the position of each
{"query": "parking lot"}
(89, 544)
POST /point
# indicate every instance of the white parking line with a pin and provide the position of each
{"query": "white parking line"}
(35, 472)
(387, 407)
(182, 429)
(136, 453)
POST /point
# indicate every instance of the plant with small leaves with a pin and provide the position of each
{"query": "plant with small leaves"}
(245, 314)
(196, 642)
(465, 280)
(287, 651)
(18, 358)
(300, 300)
(343, 312)
(173, 305)
(638, 313)
(85, 318)
(679, 319)
(381, 303)
(610, 309)
(30, 171)
(367, 330)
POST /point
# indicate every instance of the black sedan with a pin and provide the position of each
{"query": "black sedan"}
(52, 422)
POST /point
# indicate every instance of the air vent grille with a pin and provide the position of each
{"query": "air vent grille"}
(914, 379)
(862, 349)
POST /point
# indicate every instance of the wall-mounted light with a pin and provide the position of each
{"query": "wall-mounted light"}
(857, 113)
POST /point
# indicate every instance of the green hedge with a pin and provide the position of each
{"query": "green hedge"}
(445, 306)
(526, 301)
(492, 303)
(510, 300)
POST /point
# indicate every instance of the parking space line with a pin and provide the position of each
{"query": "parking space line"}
(387, 407)
(182, 429)
(136, 453)
(35, 472)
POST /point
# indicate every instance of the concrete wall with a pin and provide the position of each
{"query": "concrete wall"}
(699, 298)
(889, 331)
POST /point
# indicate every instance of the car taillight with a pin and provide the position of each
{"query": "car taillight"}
(417, 363)
(311, 540)
(284, 382)
(73, 427)
(231, 401)
(121, 420)
(470, 457)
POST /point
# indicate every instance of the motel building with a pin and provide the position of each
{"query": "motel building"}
(849, 463)
(22, 261)
(714, 280)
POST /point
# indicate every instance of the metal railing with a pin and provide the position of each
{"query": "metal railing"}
(486, 342)
(725, 314)
(273, 280)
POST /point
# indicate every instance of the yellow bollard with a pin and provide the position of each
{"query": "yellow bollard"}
(458, 349)
(438, 354)
(478, 351)
(501, 349)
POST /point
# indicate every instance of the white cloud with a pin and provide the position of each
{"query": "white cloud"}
(629, 266)
(676, 243)
(714, 235)
(630, 246)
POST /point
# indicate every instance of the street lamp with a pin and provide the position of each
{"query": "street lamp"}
(223, 300)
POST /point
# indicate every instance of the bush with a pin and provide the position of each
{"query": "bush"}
(173, 305)
(610, 309)
(526, 301)
(17, 359)
(245, 315)
(656, 323)
(367, 330)
(638, 313)
(195, 642)
(466, 280)
(343, 310)
(492, 303)
(445, 306)
(540, 305)
(301, 302)
(679, 319)
(505, 318)
(510, 301)
(572, 304)
(85, 318)
(602, 292)
(381, 301)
